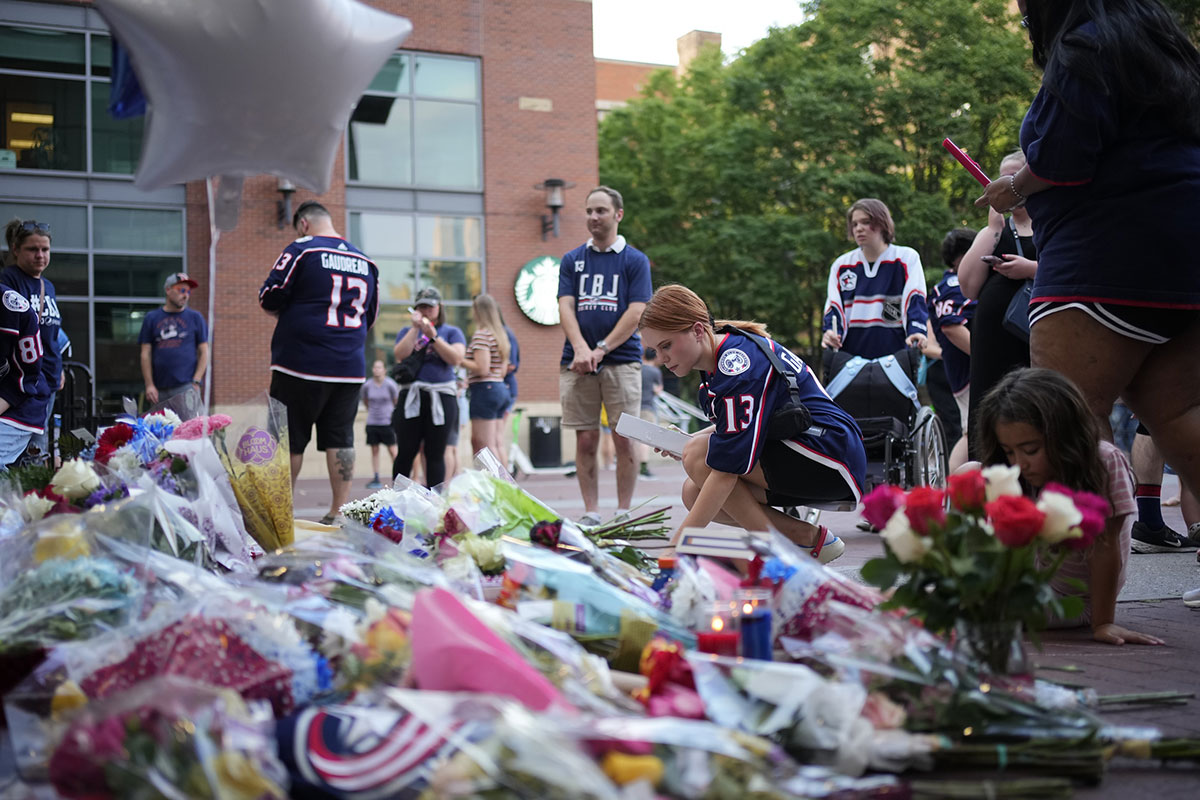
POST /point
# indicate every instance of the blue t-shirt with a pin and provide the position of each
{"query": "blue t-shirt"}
(173, 337)
(603, 285)
(23, 383)
(435, 370)
(740, 397)
(326, 293)
(1118, 223)
(514, 358)
(948, 306)
(51, 319)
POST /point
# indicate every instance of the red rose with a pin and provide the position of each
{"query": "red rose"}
(968, 491)
(1016, 520)
(881, 504)
(925, 506)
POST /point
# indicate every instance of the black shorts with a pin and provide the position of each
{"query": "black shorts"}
(795, 480)
(1140, 323)
(329, 406)
(381, 434)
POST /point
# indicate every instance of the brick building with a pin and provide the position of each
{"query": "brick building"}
(434, 180)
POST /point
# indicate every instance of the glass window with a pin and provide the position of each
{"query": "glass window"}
(382, 234)
(449, 237)
(41, 50)
(68, 224)
(456, 280)
(43, 122)
(393, 77)
(68, 272)
(101, 55)
(75, 325)
(447, 144)
(459, 317)
(133, 276)
(380, 140)
(116, 332)
(116, 143)
(138, 230)
(395, 280)
(452, 78)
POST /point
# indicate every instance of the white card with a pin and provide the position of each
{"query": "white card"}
(662, 438)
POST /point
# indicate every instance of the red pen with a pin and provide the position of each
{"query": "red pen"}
(976, 172)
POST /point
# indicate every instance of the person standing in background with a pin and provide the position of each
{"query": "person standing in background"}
(379, 396)
(603, 287)
(510, 380)
(486, 363)
(652, 386)
(174, 343)
(22, 386)
(28, 258)
(949, 315)
(325, 293)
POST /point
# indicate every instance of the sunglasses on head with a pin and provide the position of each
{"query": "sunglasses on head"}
(30, 226)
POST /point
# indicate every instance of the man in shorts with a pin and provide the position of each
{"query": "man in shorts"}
(325, 294)
(603, 287)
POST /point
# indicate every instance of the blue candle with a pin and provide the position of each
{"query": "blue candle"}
(756, 634)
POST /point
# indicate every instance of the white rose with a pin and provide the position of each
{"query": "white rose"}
(37, 507)
(75, 480)
(1062, 517)
(1002, 481)
(906, 543)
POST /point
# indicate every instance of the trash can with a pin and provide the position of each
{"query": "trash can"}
(545, 441)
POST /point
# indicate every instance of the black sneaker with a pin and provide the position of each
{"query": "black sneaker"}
(1163, 540)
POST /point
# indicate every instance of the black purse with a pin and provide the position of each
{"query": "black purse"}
(1016, 316)
(793, 417)
(405, 370)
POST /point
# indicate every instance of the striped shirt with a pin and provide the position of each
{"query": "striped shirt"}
(484, 339)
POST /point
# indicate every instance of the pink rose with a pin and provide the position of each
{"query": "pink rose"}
(881, 504)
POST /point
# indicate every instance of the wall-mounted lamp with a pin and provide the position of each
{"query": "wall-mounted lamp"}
(283, 207)
(553, 187)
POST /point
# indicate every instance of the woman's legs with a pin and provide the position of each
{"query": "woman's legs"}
(747, 504)
(375, 459)
(436, 437)
(409, 434)
(485, 433)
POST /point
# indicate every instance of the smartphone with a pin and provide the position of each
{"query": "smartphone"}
(976, 171)
(991, 260)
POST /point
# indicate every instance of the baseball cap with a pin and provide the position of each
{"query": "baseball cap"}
(428, 296)
(176, 278)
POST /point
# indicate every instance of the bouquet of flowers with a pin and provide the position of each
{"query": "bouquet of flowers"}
(988, 561)
(200, 741)
(38, 491)
(253, 448)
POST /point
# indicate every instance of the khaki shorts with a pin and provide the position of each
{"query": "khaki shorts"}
(963, 399)
(617, 386)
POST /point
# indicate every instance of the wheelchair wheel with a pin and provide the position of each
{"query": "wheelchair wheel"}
(928, 456)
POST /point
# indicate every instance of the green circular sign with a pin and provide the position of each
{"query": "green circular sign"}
(536, 290)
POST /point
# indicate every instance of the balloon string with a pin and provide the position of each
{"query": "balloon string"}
(214, 236)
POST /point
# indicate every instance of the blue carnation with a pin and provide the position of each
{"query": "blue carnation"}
(777, 571)
(386, 518)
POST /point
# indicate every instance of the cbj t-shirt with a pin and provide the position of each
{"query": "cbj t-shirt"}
(603, 285)
(173, 337)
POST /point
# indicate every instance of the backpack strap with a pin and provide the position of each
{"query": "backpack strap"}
(777, 364)
(896, 374)
(845, 376)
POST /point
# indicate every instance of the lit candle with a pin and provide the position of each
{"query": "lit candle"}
(754, 622)
(720, 639)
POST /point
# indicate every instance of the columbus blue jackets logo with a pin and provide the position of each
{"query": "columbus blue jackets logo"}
(13, 301)
(367, 753)
(848, 281)
(733, 362)
(580, 266)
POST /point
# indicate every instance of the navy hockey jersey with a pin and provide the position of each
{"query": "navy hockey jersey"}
(740, 397)
(50, 318)
(948, 306)
(326, 293)
(23, 384)
(875, 307)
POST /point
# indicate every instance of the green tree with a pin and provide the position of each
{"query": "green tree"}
(738, 176)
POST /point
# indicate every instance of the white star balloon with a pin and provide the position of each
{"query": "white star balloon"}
(244, 87)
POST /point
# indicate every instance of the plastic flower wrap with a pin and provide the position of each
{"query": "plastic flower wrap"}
(254, 451)
(569, 596)
(201, 741)
(421, 509)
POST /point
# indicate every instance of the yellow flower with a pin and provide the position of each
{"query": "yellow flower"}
(239, 780)
(60, 545)
(66, 697)
(623, 768)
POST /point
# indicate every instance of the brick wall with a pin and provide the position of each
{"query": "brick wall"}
(539, 49)
(621, 81)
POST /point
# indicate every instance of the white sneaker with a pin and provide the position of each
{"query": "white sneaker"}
(830, 548)
(1191, 599)
(591, 519)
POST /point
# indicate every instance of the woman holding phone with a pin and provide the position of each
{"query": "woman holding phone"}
(1002, 257)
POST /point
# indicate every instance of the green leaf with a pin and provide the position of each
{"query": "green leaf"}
(881, 572)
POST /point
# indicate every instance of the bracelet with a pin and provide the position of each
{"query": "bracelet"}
(1012, 187)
